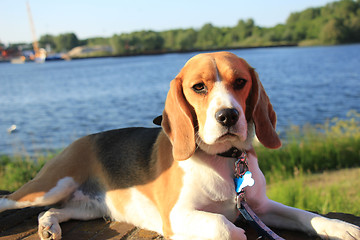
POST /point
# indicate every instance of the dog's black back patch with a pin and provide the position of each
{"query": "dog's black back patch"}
(126, 155)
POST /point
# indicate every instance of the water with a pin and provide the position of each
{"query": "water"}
(54, 103)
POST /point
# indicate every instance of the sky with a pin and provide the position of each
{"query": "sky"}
(104, 18)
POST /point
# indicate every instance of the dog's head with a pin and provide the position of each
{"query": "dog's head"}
(214, 103)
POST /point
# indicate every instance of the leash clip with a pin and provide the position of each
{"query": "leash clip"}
(241, 166)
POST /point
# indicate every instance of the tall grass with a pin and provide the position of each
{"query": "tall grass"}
(312, 149)
(17, 170)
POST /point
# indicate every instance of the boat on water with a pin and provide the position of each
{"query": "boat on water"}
(18, 60)
(27, 56)
(39, 56)
(57, 57)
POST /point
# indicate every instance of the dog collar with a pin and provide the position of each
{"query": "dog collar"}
(231, 153)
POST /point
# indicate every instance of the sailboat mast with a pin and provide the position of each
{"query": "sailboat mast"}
(32, 26)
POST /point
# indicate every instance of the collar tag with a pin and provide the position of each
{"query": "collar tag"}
(244, 181)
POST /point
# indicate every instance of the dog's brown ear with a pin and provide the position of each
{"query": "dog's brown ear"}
(177, 122)
(263, 114)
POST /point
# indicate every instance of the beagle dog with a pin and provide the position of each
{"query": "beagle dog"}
(173, 179)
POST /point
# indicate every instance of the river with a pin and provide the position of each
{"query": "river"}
(54, 103)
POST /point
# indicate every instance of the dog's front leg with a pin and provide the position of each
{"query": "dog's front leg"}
(194, 224)
(281, 216)
(80, 207)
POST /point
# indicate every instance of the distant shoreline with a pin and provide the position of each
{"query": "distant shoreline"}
(152, 53)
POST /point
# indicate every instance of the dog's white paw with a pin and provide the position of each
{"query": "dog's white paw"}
(49, 228)
(336, 229)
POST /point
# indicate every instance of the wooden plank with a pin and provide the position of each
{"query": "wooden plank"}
(141, 234)
(115, 230)
(12, 218)
(22, 224)
(34, 236)
(85, 229)
(19, 224)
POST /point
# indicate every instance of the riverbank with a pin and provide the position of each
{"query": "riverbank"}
(160, 52)
(93, 52)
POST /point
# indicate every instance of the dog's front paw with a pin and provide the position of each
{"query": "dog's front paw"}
(336, 229)
(49, 228)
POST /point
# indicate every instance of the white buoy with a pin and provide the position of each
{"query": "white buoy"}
(12, 128)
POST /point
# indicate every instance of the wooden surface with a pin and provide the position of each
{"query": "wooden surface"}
(22, 224)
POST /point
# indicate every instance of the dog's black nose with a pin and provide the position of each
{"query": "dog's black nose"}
(227, 117)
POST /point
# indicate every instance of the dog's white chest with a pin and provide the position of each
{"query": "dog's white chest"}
(207, 182)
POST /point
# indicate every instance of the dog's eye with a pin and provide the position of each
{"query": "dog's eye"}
(199, 88)
(239, 83)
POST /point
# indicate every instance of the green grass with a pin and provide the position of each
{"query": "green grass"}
(311, 170)
(316, 169)
(313, 149)
(331, 191)
(17, 170)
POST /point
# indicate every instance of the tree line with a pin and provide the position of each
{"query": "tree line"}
(334, 23)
